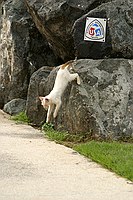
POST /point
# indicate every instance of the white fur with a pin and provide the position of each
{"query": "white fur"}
(54, 98)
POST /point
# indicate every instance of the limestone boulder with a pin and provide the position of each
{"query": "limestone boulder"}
(119, 37)
(103, 104)
(15, 106)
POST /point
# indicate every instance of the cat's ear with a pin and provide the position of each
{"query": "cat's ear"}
(41, 98)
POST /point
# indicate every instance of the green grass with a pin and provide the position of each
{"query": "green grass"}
(62, 137)
(21, 118)
(52, 134)
(117, 157)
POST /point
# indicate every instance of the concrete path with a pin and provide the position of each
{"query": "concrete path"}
(33, 168)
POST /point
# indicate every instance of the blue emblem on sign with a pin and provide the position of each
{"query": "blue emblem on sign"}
(95, 29)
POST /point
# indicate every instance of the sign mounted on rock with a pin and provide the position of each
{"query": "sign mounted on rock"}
(95, 29)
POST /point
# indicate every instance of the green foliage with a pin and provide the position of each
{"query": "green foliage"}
(115, 156)
(62, 137)
(48, 127)
(21, 118)
(57, 136)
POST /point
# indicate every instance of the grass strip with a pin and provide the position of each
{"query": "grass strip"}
(115, 156)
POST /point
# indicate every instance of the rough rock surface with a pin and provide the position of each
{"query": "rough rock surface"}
(15, 106)
(55, 19)
(119, 39)
(101, 106)
(22, 50)
(37, 88)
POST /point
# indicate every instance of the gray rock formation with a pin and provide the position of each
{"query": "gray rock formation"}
(55, 18)
(22, 51)
(102, 105)
(119, 39)
(15, 106)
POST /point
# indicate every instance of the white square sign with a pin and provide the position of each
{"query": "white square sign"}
(95, 29)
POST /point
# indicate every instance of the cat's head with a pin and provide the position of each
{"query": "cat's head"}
(45, 102)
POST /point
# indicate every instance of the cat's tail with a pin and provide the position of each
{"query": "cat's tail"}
(68, 64)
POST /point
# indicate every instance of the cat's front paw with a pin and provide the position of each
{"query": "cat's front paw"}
(78, 81)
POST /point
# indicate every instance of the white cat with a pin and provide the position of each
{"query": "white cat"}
(54, 98)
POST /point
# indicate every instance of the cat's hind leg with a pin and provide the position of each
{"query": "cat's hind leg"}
(57, 109)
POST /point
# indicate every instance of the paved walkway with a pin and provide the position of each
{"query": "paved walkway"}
(33, 168)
